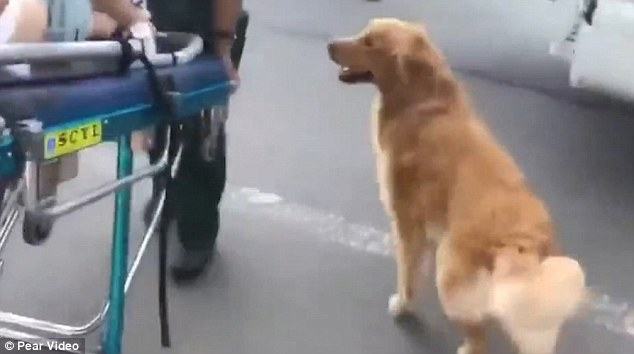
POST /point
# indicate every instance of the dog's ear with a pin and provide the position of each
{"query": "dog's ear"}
(411, 67)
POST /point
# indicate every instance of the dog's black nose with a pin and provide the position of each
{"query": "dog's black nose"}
(331, 50)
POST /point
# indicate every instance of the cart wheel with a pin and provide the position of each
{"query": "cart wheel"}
(35, 231)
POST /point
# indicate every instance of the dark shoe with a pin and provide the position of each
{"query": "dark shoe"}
(191, 264)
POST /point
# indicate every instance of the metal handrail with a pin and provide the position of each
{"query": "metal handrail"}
(33, 53)
(99, 193)
(40, 211)
(93, 324)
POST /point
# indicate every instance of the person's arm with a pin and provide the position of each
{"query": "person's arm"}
(226, 14)
(103, 26)
(31, 22)
(122, 11)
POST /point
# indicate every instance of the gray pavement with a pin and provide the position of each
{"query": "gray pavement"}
(303, 266)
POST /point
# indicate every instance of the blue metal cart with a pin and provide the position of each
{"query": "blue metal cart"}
(57, 99)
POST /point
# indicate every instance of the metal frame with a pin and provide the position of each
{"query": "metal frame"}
(112, 312)
(29, 134)
(101, 51)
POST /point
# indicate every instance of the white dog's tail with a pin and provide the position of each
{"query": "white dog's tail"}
(533, 309)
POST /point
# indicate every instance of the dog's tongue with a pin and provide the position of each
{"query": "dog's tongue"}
(349, 76)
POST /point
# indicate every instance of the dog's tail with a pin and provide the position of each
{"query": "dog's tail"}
(533, 308)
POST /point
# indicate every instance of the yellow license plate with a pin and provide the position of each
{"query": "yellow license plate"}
(64, 141)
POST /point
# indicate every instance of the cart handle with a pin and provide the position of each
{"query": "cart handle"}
(32, 53)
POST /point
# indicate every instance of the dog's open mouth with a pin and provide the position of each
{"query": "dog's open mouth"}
(351, 76)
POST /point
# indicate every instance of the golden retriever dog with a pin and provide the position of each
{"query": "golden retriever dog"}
(447, 183)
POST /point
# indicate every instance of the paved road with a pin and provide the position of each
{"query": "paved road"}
(303, 266)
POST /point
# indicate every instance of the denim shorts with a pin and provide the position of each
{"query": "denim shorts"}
(69, 20)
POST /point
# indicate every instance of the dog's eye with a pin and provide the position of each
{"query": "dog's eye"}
(368, 41)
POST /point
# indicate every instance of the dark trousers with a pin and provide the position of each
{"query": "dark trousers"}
(194, 195)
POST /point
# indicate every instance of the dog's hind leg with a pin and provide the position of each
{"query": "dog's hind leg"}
(475, 338)
(535, 342)
(410, 244)
(463, 294)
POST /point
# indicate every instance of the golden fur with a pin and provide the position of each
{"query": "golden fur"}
(445, 180)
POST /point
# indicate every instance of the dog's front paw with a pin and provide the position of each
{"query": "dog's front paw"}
(464, 349)
(467, 348)
(398, 307)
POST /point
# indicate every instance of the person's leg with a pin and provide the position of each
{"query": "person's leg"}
(193, 198)
(196, 195)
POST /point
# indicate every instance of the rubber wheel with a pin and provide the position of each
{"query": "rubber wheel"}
(35, 232)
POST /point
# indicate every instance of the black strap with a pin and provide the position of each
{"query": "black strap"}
(156, 85)
(163, 310)
(127, 55)
(160, 93)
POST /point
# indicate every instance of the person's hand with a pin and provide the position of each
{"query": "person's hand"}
(223, 50)
(231, 70)
(142, 141)
(103, 26)
(142, 30)
(141, 27)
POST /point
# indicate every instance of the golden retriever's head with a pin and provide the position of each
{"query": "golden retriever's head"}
(387, 52)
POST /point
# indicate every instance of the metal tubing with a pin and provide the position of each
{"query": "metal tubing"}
(6, 227)
(67, 330)
(101, 192)
(31, 185)
(17, 53)
(63, 208)
(9, 214)
(92, 325)
(113, 334)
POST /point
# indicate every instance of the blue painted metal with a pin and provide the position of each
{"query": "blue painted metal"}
(187, 106)
(124, 121)
(113, 334)
(8, 158)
